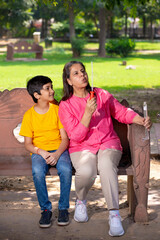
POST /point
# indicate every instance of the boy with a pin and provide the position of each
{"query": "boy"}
(47, 141)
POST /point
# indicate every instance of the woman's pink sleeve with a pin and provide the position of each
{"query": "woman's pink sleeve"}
(121, 113)
(74, 128)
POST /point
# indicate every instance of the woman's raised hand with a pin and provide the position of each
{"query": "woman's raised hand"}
(91, 106)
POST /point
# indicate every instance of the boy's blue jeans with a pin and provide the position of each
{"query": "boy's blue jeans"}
(64, 170)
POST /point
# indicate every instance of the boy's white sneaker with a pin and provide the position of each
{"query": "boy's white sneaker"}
(80, 214)
(116, 228)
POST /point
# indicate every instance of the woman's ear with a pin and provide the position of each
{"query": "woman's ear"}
(69, 81)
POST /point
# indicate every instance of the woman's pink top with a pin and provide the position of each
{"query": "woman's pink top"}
(100, 133)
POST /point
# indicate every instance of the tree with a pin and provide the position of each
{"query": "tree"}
(109, 5)
(47, 10)
(102, 32)
(149, 13)
(14, 13)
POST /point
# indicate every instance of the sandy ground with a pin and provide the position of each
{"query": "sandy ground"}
(20, 213)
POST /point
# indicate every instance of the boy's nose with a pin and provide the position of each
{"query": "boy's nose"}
(52, 90)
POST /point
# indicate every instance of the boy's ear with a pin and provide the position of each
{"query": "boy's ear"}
(36, 95)
(69, 82)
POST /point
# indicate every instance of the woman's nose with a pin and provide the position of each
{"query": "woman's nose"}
(82, 73)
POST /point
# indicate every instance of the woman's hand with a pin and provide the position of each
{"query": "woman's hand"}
(146, 122)
(91, 106)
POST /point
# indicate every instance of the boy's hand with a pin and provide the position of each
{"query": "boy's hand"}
(52, 158)
(44, 153)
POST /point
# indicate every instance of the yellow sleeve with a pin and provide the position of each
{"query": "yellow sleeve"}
(59, 123)
(26, 127)
(58, 119)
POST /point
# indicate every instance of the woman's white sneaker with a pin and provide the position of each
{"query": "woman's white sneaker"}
(80, 214)
(116, 228)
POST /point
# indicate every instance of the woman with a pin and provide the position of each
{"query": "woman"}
(94, 145)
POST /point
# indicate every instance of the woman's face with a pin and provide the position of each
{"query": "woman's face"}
(78, 77)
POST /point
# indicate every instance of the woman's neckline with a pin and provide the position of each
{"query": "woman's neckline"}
(75, 96)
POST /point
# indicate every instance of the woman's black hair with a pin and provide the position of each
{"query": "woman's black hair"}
(67, 89)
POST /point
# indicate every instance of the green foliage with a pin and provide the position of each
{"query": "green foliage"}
(60, 29)
(78, 46)
(85, 29)
(14, 13)
(47, 2)
(122, 47)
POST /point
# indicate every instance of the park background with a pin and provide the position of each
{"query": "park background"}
(89, 31)
(88, 27)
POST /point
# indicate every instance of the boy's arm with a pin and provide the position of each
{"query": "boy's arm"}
(54, 156)
(64, 143)
(31, 148)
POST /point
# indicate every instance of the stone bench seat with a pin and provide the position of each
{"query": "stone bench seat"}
(135, 161)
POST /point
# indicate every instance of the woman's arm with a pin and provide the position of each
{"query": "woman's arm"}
(89, 110)
(75, 128)
(127, 115)
(146, 122)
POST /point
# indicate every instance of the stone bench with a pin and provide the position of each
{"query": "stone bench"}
(24, 47)
(16, 161)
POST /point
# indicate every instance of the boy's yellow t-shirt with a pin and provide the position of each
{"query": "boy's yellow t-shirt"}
(42, 128)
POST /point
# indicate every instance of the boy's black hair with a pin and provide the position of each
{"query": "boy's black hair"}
(35, 84)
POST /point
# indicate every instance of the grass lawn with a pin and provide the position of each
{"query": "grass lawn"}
(108, 72)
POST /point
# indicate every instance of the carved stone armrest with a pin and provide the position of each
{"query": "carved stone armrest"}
(140, 155)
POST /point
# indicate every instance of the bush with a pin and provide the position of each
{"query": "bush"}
(60, 29)
(78, 46)
(122, 47)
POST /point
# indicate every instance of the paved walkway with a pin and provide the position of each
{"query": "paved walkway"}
(20, 213)
(155, 139)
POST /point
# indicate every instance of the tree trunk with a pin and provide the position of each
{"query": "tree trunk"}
(71, 21)
(144, 26)
(109, 25)
(152, 31)
(102, 32)
(126, 24)
(44, 28)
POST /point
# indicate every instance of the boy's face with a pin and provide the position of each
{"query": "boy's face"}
(47, 92)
